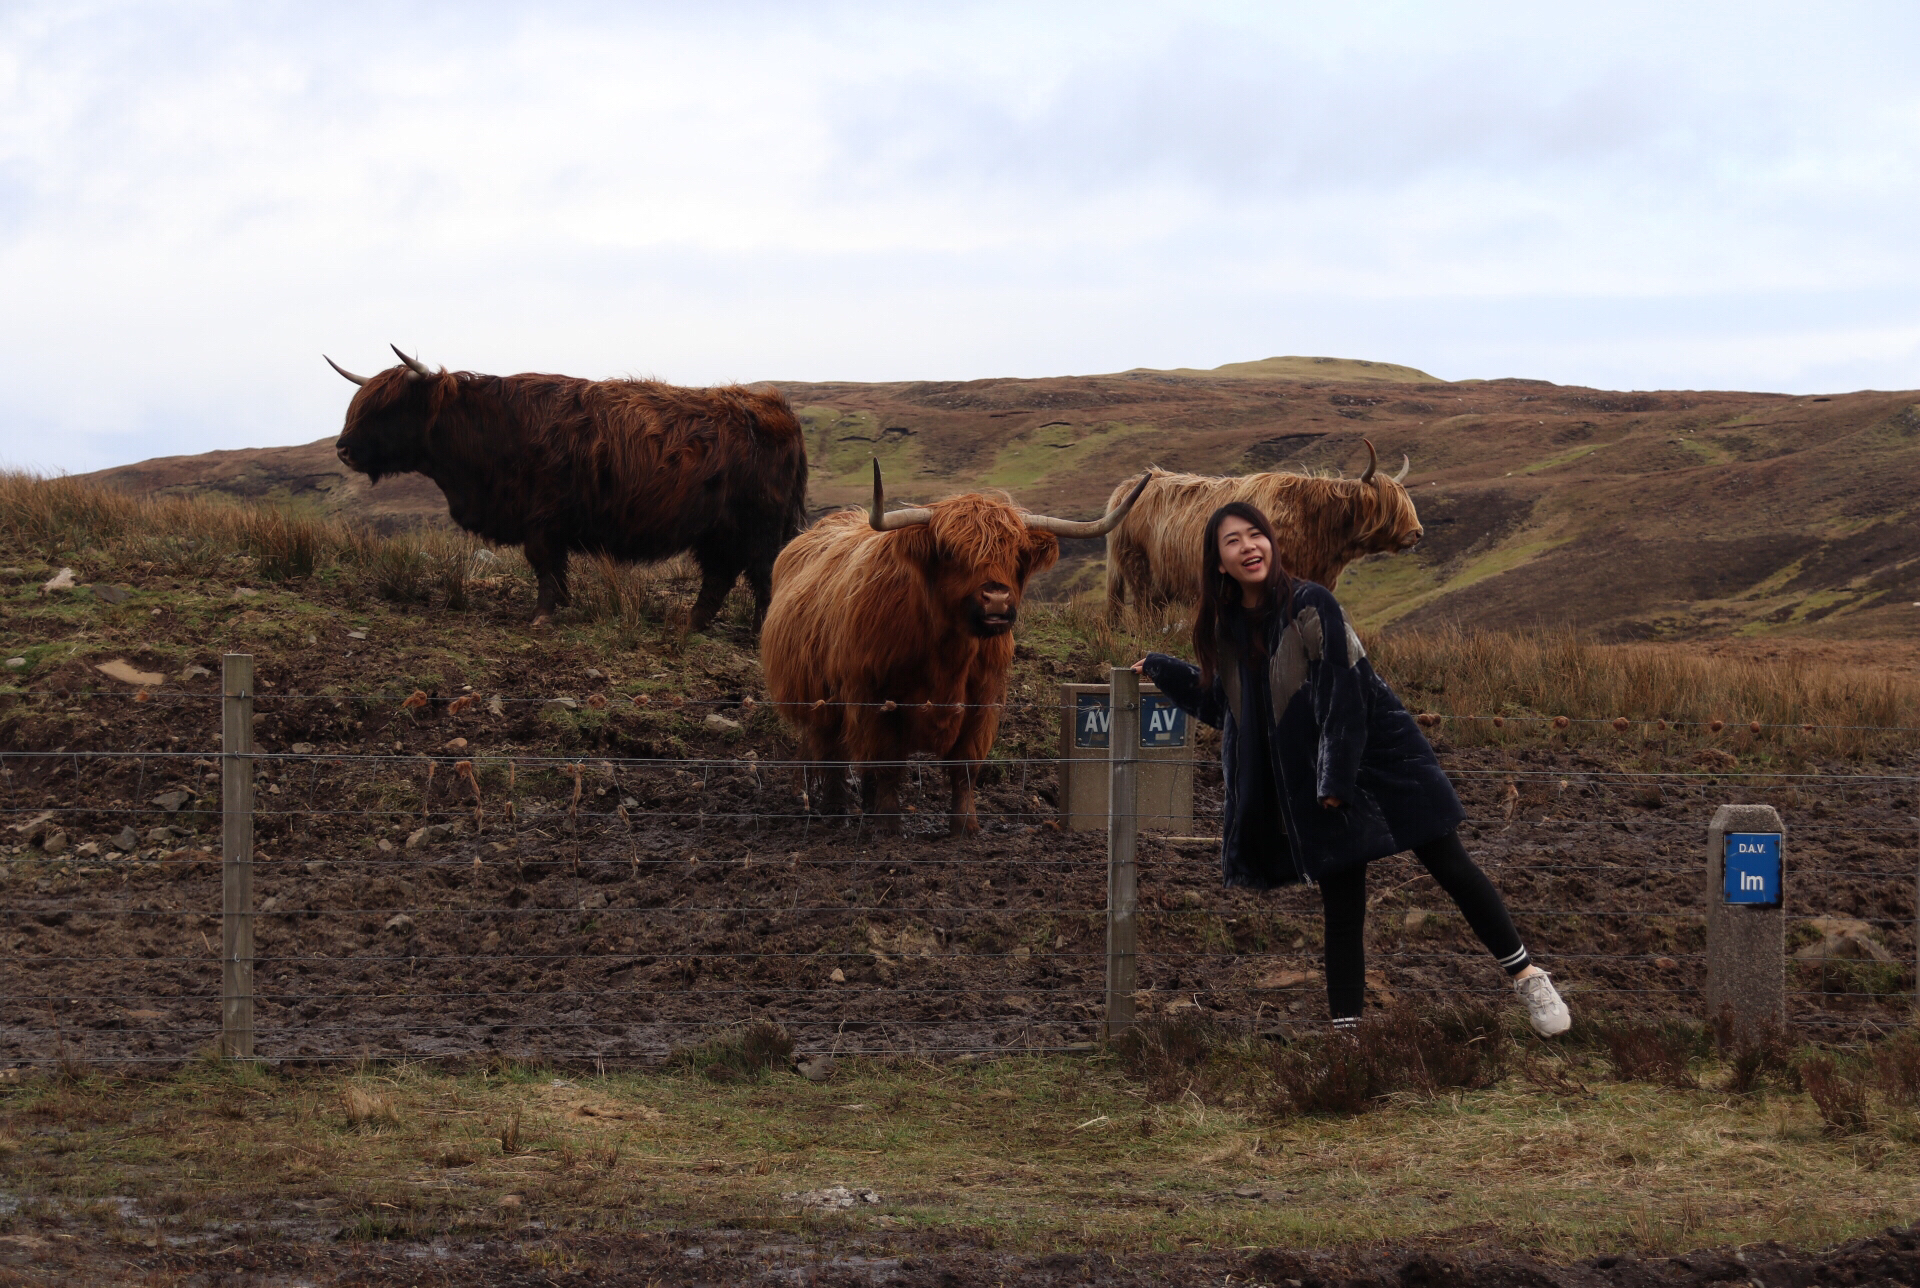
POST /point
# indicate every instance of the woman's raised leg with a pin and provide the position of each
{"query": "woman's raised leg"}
(1448, 862)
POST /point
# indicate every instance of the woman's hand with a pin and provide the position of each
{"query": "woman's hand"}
(1331, 802)
(1137, 665)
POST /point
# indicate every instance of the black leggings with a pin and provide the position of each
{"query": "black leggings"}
(1344, 895)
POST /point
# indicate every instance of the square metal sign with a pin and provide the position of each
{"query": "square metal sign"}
(1752, 868)
(1091, 717)
(1162, 724)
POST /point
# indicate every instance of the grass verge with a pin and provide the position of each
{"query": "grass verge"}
(1025, 1154)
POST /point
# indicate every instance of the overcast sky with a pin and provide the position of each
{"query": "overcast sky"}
(198, 199)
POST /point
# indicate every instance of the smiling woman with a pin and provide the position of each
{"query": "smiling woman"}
(1324, 769)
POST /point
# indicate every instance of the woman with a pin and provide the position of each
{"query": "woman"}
(1325, 770)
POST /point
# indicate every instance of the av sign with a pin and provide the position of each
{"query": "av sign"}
(1091, 717)
(1161, 723)
(1752, 868)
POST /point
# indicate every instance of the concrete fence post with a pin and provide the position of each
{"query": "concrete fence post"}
(1746, 918)
(1163, 760)
(236, 857)
(1123, 831)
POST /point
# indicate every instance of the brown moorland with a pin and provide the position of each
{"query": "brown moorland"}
(1632, 515)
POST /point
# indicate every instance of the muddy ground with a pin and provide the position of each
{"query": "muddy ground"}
(937, 1261)
(687, 888)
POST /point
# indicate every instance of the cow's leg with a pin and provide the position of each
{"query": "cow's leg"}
(1116, 584)
(827, 785)
(549, 563)
(826, 771)
(760, 579)
(719, 569)
(961, 818)
(832, 778)
(968, 756)
(880, 797)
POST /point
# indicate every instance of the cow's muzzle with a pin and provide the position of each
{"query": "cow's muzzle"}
(994, 610)
(354, 463)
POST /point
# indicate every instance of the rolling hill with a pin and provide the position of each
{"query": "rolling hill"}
(1674, 514)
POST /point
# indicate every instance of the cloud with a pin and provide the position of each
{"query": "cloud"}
(196, 200)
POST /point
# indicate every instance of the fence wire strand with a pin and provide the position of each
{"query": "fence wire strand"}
(616, 825)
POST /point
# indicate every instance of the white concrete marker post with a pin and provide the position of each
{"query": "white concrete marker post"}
(1746, 918)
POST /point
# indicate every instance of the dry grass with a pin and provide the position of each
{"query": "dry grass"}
(1489, 688)
(1528, 679)
(177, 535)
(369, 1109)
(101, 530)
(1024, 1153)
(1644, 1051)
(1506, 688)
(629, 595)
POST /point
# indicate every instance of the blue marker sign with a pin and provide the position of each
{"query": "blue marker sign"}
(1090, 719)
(1161, 723)
(1753, 868)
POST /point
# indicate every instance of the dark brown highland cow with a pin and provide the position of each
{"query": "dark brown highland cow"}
(632, 469)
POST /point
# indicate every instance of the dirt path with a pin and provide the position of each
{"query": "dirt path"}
(730, 1258)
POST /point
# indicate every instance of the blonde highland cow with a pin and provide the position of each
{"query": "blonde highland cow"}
(1324, 524)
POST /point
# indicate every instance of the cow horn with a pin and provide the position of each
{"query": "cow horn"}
(1096, 528)
(358, 380)
(414, 364)
(1373, 460)
(1406, 463)
(884, 522)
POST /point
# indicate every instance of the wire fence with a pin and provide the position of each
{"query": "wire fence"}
(602, 905)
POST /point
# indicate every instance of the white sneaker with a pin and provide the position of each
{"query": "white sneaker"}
(1545, 1011)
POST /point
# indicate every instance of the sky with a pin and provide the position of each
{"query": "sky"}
(197, 200)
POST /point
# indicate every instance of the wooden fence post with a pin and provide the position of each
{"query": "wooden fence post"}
(236, 857)
(1123, 831)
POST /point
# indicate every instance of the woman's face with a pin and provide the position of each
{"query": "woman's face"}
(1245, 553)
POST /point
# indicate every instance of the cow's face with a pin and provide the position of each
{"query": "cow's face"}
(387, 422)
(1396, 527)
(978, 554)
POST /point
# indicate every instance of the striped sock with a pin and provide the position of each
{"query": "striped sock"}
(1345, 1023)
(1515, 962)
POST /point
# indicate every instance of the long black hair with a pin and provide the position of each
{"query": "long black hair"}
(1220, 608)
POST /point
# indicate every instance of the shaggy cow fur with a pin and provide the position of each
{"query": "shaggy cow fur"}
(633, 469)
(1323, 524)
(875, 647)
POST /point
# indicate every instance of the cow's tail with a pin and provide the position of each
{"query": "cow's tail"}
(793, 515)
(795, 518)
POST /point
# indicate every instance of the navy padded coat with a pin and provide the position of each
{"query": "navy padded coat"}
(1331, 728)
